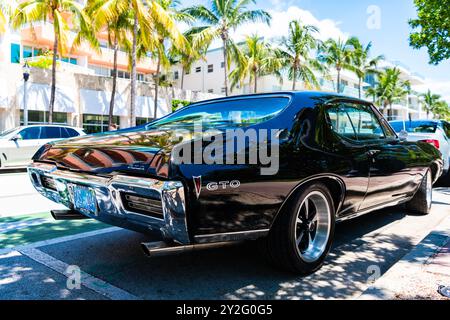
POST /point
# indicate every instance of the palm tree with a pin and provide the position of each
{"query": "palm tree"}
(361, 64)
(430, 101)
(186, 58)
(389, 89)
(441, 109)
(58, 12)
(118, 28)
(4, 12)
(337, 54)
(166, 11)
(254, 60)
(222, 17)
(296, 54)
(145, 20)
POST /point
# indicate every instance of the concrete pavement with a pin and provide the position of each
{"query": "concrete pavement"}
(418, 274)
(18, 196)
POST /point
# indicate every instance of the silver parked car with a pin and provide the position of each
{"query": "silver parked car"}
(435, 132)
(18, 145)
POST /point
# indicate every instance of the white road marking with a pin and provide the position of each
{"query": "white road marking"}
(87, 280)
(60, 240)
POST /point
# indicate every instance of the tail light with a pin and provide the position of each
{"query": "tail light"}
(434, 142)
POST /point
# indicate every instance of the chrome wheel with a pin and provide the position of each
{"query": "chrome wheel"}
(429, 190)
(312, 226)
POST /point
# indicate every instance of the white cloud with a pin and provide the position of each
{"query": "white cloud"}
(439, 87)
(280, 23)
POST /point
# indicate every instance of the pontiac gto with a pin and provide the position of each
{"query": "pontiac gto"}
(337, 158)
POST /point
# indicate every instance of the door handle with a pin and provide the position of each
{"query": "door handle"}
(373, 153)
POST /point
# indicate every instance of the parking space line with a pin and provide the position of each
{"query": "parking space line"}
(60, 239)
(97, 285)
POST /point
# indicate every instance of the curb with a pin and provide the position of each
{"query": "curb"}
(411, 263)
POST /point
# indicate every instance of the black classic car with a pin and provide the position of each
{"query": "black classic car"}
(332, 158)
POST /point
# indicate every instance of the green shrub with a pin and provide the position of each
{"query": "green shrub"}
(177, 104)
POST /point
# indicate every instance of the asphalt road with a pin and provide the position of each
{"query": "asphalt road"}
(113, 267)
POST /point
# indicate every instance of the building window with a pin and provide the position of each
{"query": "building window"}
(344, 82)
(210, 68)
(27, 52)
(187, 71)
(93, 123)
(222, 64)
(210, 90)
(100, 71)
(141, 121)
(140, 77)
(73, 61)
(38, 117)
(198, 69)
(223, 90)
(15, 53)
(175, 75)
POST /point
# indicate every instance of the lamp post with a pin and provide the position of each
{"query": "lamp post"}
(26, 76)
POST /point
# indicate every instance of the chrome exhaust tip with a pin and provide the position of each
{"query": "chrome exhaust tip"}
(161, 248)
(67, 215)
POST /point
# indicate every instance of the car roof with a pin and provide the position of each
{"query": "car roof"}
(49, 125)
(434, 121)
(297, 94)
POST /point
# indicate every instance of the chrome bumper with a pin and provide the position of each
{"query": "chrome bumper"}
(172, 224)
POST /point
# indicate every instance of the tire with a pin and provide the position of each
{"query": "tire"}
(306, 256)
(422, 200)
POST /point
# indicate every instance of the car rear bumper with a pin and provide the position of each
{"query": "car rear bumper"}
(141, 204)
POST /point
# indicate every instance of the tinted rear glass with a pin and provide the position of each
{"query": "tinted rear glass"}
(69, 133)
(234, 113)
(414, 126)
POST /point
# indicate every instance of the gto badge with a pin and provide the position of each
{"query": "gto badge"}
(213, 186)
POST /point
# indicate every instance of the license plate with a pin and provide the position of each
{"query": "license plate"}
(84, 199)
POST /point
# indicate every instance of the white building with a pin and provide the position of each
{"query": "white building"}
(207, 75)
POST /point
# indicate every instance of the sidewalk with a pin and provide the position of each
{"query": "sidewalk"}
(418, 274)
(18, 196)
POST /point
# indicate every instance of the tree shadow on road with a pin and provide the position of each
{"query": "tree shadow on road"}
(238, 272)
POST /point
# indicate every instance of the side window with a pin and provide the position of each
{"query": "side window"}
(356, 122)
(51, 133)
(340, 121)
(31, 133)
(447, 129)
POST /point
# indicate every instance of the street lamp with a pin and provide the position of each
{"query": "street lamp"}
(26, 75)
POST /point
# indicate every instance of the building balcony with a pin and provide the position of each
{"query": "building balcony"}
(105, 58)
(64, 66)
(41, 35)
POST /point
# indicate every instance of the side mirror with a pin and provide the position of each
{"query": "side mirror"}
(16, 138)
(403, 135)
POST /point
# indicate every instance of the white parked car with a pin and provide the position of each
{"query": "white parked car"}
(18, 145)
(435, 132)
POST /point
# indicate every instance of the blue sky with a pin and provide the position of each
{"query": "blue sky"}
(350, 17)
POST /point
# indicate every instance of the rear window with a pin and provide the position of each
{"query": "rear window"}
(69, 133)
(234, 113)
(414, 126)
